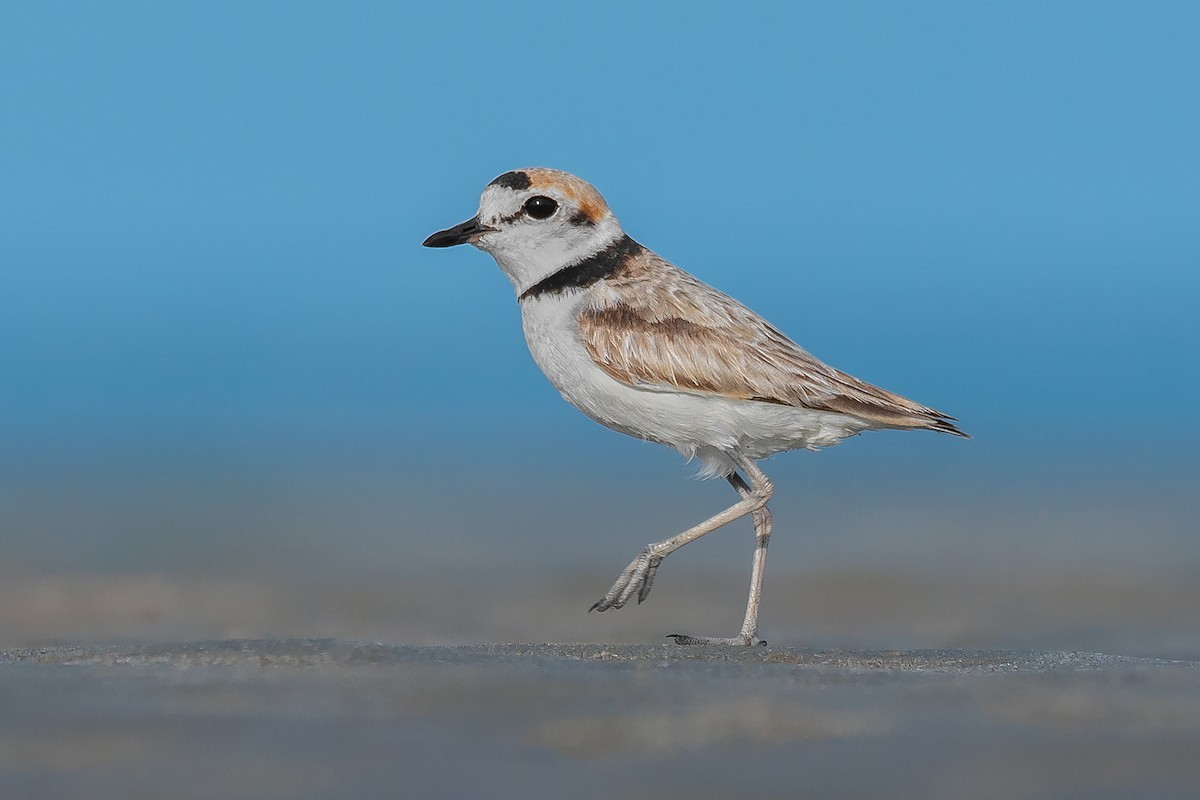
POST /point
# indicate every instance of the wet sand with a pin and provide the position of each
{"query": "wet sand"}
(333, 718)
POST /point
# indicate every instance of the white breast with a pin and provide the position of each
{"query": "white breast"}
(708, 427)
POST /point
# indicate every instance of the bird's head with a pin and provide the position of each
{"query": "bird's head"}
(535, 222)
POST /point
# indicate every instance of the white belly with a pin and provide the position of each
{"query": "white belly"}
(708, 427)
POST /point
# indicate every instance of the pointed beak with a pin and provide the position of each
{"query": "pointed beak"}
(464, 233)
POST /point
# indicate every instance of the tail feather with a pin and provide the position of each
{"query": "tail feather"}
(945, 424)
(894, 411)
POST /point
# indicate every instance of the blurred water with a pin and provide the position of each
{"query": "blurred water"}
(898, 539)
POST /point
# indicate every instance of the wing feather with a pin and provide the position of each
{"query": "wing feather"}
(654, 326)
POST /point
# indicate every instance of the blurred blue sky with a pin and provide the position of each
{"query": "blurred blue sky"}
(211, 214)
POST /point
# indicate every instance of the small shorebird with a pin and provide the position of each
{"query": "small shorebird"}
(646, 349)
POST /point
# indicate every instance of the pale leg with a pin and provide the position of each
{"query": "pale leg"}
(762, 538)
(638, 577)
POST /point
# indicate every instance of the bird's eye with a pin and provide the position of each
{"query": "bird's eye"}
(540, 207)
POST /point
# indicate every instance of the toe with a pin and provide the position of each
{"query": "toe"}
(735, 641)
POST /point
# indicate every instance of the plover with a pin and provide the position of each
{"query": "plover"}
(642, 347)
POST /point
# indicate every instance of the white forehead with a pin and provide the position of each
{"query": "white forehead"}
(501, 201)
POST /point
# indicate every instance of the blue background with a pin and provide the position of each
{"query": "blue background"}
(210, 219)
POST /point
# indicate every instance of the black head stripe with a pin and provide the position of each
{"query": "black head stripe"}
(517, 181)
(592, 269)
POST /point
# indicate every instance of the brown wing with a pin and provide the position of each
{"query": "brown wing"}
(654, 325)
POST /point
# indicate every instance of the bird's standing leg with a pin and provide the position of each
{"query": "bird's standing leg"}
(761, 486)
(638, 577)
(762, 538)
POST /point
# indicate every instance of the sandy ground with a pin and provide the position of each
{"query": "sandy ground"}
(304, 641)
(981, 702)
(328, 718)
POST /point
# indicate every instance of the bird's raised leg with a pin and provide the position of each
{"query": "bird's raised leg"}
(760, 483)
(638, 577)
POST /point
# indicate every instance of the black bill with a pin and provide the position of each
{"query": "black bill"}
(464, 233)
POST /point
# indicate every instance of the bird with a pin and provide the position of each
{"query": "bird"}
(646, 349)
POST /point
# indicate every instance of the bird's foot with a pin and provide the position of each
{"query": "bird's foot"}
(741, 640)
(637, 578)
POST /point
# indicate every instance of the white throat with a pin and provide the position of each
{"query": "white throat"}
(527, 255)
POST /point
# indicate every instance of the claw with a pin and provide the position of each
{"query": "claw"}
(683, 638)
(637, 578)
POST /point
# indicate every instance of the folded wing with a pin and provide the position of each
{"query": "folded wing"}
(660, 328)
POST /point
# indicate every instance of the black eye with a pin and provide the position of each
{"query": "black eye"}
(540, 207)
